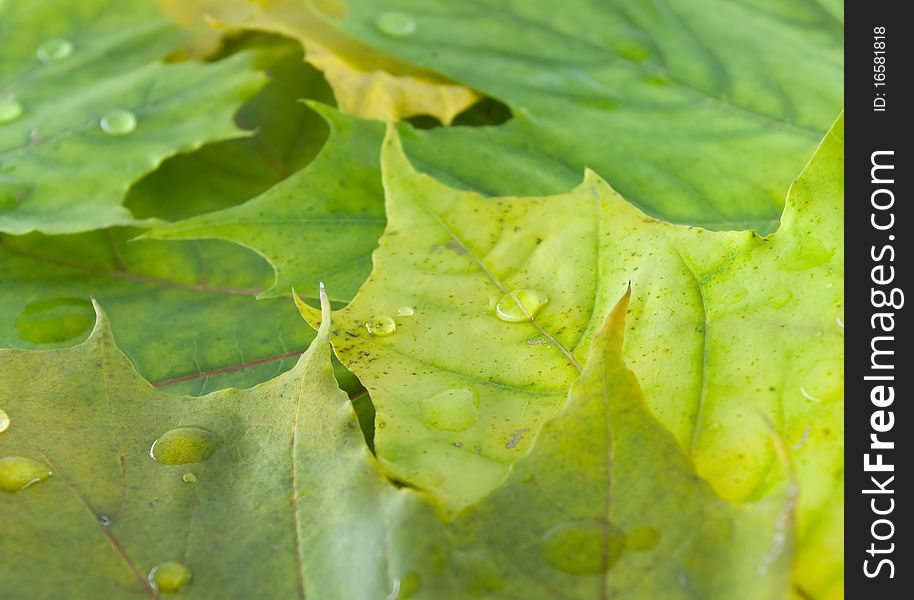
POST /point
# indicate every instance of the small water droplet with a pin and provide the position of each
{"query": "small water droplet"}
(734, 296)
(169, 577)
(395, 24)
(118, 122)
(780, 299)
(642, 539)
(184, 445)
(840, 322)
(824, 382)
(54, 49)
(406, 311)
(10, 110)
(520, 305)
(55, 320)
(4, 421)
(381, 326)
(104, 520)
(582, 547)
(189, 478)
(451, 410)
(17, 473)
(829, 285)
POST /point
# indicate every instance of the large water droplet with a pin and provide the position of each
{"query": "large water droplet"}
(54, 49)
(825, 382)
(395, 24)
(18, 473)
(406, 311)
(55, 320)
(184, 445)
(10, 110)
(4, 421)
(169, 577)
(583, 547)
(118, 122)
(642, 539)
(520, 305)
(780, 299)
(381, 325)
(451, 410)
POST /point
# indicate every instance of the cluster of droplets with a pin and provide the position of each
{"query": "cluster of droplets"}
(50, 51)
(116, 122)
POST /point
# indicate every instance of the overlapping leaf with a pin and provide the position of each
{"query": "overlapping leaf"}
(197, 298)
(65, 69)
(679, 112)
(698, 111)
(288, 456)
(731, 334)
(366, 82)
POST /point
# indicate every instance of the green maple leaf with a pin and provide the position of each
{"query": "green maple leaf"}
(198, 297)
(731, 334)
(127, 491)
(255, 500)
(686, 123)
(68, 149)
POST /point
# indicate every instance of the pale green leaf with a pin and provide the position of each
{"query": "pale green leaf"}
(268, 514)
(731, 334)
(286, 501)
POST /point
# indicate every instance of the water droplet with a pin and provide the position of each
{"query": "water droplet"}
(189, 478)
(4, 421)
(184, 445)
(104, 520)
(55, 320)
(118, 122)
(18, 473)
(406, 311)
(734, 296)
(520, 305)
(54, 49)
(451, 410)
(829, 285)
(780, 299)
(10, 110)
(825, 382)
(169, 577)
(582, 547)
(642, 539)
(395, 24)
(381, 326)
(840, 322)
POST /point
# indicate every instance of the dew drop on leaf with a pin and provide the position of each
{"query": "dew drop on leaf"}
(824, 382)
(406, 311)
(54, 49)
(582, 547)
(17, 473)
(184, 445)
(104, 520)
(520, 305)
(4, 421)
(189, 478)
(169, 577)
(642, 539)
(451, 410)
(381, 325)
(780, 299)
(118, 122)
(55, 320)
(395, 24)
(10, 110)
